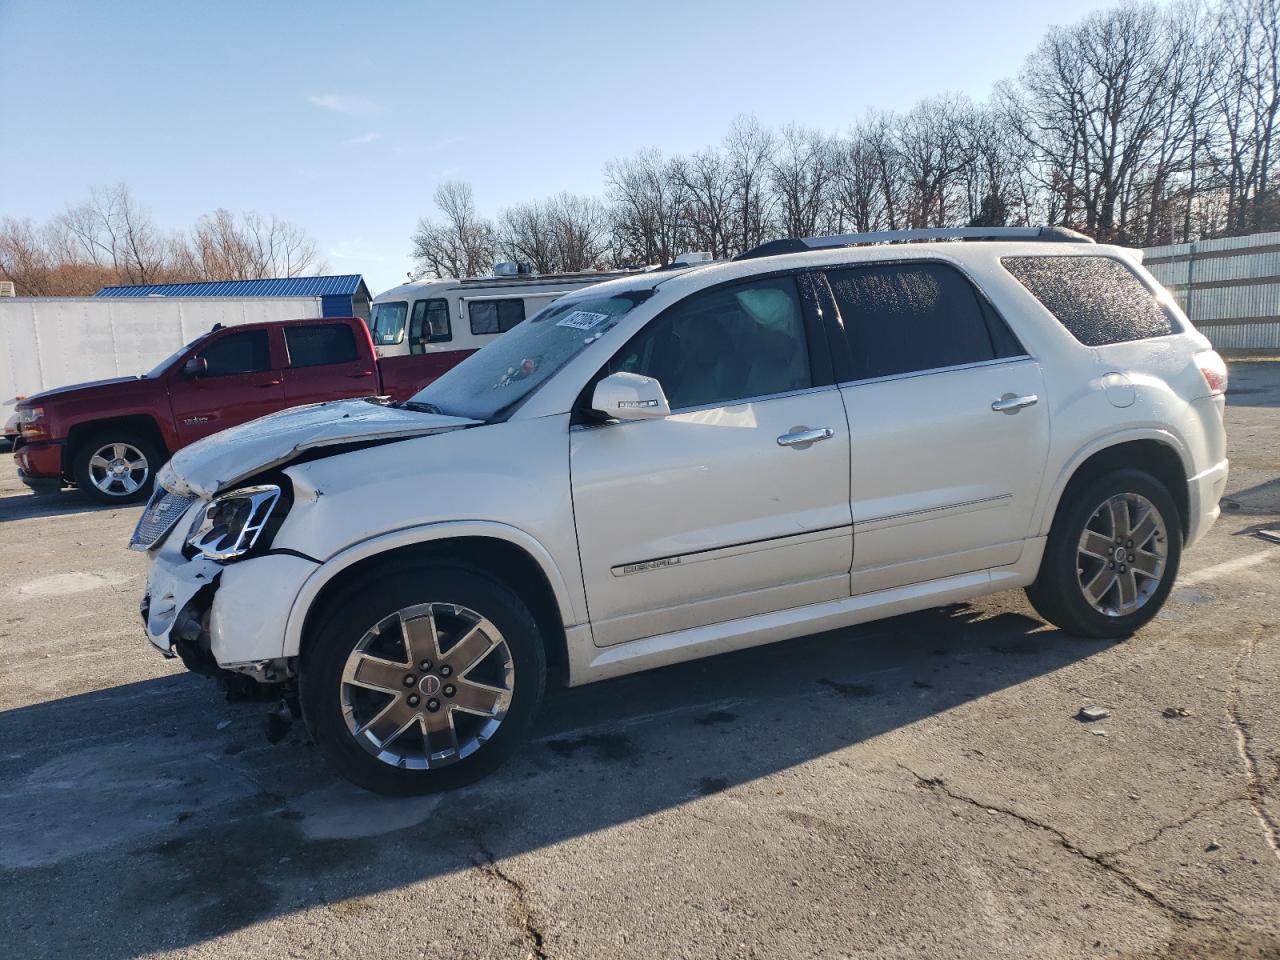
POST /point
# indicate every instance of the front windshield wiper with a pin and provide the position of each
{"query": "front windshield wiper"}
(421, 407)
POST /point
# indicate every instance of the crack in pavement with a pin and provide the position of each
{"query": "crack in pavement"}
(1097, 859)
(533, 936)
(1174, 825)
(1256, 793)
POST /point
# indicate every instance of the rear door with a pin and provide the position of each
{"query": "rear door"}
(243, 381)
(325, 362)
(948, 427)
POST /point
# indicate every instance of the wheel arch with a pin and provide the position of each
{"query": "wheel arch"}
(1158, 452)
(140, 423)
(510, 555)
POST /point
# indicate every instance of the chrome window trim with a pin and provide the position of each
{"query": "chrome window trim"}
(826, 387)
(925, 373)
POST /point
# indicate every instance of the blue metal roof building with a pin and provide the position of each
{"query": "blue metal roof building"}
(344, 295)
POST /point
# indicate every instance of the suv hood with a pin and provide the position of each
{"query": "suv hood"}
(218, 461)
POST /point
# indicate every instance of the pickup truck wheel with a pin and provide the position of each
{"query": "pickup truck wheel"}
(424, 680)
(1112, 557)
(116, 466)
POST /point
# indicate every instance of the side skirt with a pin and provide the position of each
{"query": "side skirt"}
(589, 663)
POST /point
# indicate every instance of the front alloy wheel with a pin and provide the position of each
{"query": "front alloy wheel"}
(421, 676)
(115, 466)
(427, 686)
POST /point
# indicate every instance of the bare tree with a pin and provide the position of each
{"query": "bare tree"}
(252, 247)
(462, 244)
(112, 231)
(800, 176)
(748, 151)
(565, 233)
(649, 203)
(710, 201)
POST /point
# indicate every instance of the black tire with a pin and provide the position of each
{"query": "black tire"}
(116, 493)
(350, 615)
(1057, 593)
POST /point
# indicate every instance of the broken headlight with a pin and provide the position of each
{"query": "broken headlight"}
(229, 526)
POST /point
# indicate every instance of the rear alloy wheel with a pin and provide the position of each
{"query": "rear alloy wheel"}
(407, 693)
(1112, 556)
(116, 468)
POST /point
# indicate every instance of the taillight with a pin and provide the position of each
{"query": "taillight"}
(1214, 371)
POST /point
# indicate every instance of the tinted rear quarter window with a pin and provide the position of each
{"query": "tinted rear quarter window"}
(1098, 299)
(314, 346)
(909, 317)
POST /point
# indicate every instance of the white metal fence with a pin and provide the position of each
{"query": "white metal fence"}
(1229, 288)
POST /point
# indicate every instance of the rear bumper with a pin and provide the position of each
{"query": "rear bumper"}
(1204, 490)
(40, 463)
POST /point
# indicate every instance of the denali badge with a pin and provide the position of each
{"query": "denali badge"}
(630, 568)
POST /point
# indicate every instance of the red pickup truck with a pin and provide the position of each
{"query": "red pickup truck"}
(110, 437)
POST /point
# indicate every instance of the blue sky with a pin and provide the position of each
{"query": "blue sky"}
(343, 117)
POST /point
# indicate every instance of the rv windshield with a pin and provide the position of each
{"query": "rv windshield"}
(387, 325)
(501, 374)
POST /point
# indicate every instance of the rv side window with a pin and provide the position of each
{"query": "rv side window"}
(495, 316)
(429, 324)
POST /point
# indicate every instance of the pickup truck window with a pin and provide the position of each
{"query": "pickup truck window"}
(387, 325)
(246, 352)
(495, 316)
(429, 324)
(312, 346)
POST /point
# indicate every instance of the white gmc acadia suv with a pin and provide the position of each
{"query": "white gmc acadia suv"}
(690, 461)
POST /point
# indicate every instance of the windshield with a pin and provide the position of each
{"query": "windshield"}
(171, 359)
(387, 325)
(504, 372)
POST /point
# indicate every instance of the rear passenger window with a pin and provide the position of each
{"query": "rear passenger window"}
(495, 316)
(908, 317)
(1099, 300)
(320, 344)
(245, 352)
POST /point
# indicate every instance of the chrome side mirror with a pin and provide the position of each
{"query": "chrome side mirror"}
(630, 396)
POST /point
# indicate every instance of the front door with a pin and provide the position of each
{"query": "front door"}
(948, 425)
(738, 503)
(241, 382)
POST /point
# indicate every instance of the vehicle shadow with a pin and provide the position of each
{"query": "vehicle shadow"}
(174, 812)
(25, 505)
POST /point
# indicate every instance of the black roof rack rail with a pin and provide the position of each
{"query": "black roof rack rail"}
(801, 245)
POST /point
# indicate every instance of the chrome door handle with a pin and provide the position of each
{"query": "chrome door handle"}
(1012, 403)
(802, 438)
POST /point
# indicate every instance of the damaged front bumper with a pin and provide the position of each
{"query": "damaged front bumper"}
(223, 617)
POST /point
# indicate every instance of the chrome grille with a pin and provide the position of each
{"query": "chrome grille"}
(163, 510)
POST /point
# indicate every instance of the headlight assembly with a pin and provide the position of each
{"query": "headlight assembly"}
(231, 524)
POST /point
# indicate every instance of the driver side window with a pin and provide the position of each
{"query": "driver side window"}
(724, 346)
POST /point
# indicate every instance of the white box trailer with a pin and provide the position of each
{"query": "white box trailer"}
(48, 342)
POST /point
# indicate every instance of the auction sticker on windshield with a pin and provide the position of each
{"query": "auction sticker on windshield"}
(581, 320)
